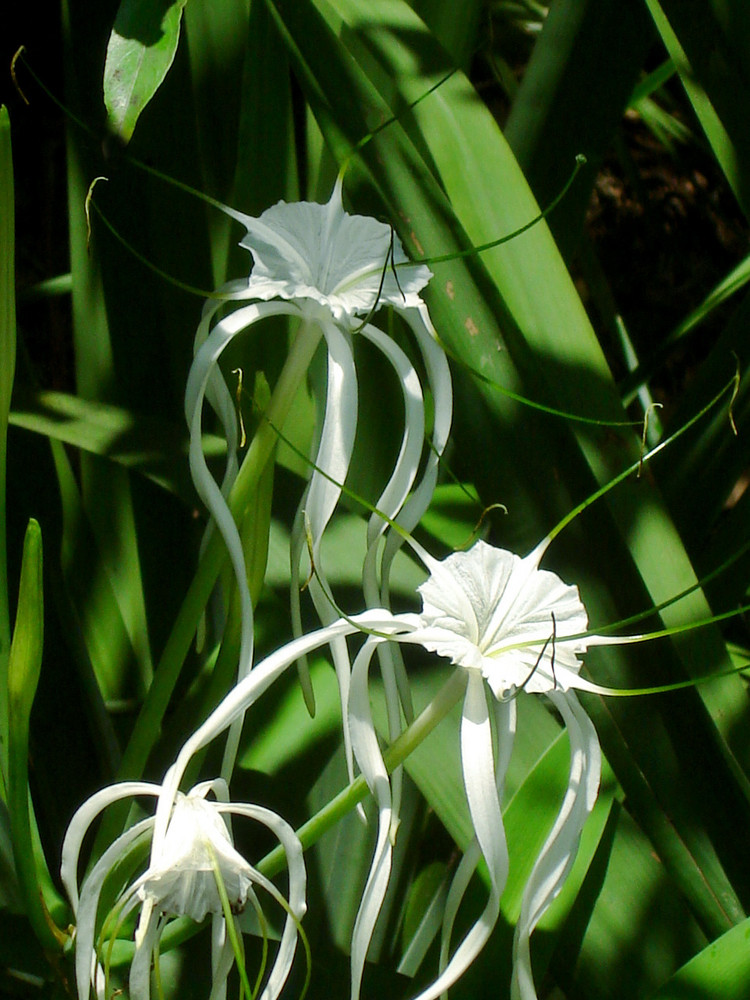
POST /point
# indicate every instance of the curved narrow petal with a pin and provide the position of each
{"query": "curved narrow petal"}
(82, 820)
(407, 462)
(481, 784)
(441, 387)
(217, 393)
(139, 980)
(323, 493)
(86, 962)
(297, 890)
(250, 688)
(337, 435)
(199, 377)
(370, 761)
(558, 853)
(505, 731)
(390, 503)
(222, 957)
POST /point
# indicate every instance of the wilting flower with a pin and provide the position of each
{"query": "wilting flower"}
(513, 628)
(188, 859)
(332, 271)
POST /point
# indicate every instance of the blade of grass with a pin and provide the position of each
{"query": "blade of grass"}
(8, 354)
(34, 880)
(588, 57)
(709, 58)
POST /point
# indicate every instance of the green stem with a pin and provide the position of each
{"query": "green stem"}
(311, 831)
(148, 724)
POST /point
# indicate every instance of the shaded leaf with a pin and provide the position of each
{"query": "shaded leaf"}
(141, 49)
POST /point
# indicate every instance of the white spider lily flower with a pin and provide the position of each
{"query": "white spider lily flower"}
(519, 628)
(181, 880)
(332, 271)
(512, 625)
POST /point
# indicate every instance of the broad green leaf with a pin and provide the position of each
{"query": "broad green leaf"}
(720, 972)
(532, 333)
(148, 445)
(633, 930)
(140, 51)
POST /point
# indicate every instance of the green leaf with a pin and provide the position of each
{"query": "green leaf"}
(8, 354)
(152, 446)
(141, 50)
(720, 972)
(25, 666)
(708, 42)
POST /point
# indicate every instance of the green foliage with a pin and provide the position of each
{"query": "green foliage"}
(458, 128)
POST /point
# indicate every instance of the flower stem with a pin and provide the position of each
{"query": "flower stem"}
(260, 452)
(311, 831)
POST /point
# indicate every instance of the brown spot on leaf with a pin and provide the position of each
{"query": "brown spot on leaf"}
(471, 327)
(450, 291)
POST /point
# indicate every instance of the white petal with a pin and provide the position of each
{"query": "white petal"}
(370, 760)
(201, 372)
(558, 853)
(222, 958)
(481, 783)
(139, 980)
(82, 820)
(306, 250)
(439, 382)
(86, 961)
(337, 436)
(297, 890)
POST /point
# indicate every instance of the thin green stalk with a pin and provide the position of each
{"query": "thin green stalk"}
(148, 724)
(311, 831)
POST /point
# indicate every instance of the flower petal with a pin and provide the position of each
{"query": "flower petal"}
(306, 250)
(367, 752)
(558, 853)
(297, 889)
(139, 980)
(87, 967)
(82, 820)
(481, 784)
(488, 608)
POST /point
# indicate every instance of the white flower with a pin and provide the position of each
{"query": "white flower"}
(304, 250)
(493, 611)
(181, 880)
(519, 628)
(330, 270)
